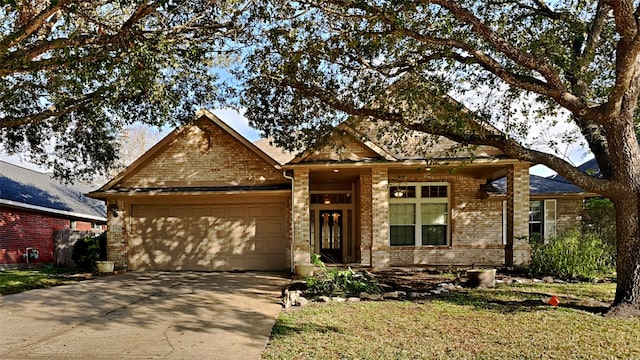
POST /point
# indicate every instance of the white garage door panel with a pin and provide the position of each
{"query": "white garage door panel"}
(220, 237)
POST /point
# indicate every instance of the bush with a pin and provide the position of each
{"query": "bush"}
(335, 281)
(89, 249)
(573, 255)
(600, 219)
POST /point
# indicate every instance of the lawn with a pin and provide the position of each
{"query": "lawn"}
(15, 281)
(508, 322)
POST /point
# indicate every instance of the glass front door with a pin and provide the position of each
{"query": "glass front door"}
(331, 236)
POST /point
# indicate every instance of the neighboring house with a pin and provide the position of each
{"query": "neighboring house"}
(33, 206)
(205, 198)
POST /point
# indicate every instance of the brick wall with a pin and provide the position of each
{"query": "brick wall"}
(84, 226)
(365, 219)
(380, 255)
(475, 225)
(20, 229)
(342, 147)
(205, 155)
(302, 221)
(568, 214)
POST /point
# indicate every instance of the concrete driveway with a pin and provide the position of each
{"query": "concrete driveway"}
(144, 316)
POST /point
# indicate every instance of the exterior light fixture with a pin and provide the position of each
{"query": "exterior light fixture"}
(327, 200)
(398, 193)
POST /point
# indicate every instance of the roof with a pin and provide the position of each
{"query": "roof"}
(538, 185)
(405, 144)
(588, 167)
(29, 189)
(278, 154)
(202, 116)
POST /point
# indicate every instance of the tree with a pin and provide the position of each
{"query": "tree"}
(521, 63)
(132, 142)
(73, 73)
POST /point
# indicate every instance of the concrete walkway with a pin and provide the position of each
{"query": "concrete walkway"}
(144, 316)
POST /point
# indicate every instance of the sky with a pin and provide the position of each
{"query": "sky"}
(238, 122)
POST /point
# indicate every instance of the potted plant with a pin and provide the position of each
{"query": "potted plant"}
(91, 251)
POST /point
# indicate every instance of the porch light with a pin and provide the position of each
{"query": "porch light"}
(336, 170)
(398, 193)
(327, 200)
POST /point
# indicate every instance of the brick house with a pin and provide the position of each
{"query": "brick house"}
(33, 206)
(205, 198)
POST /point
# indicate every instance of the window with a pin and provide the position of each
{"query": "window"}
(419, 214)
(542, 220)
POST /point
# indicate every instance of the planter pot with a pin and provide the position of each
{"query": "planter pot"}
(485, 278)
(105, 266)
(304, 270)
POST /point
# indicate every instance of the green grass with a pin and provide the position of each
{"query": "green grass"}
(15, 281)
(508, 322)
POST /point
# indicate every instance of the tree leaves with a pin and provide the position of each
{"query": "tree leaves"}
(77, 72)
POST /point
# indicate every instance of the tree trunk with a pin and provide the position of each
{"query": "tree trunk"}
(627, 300)
(625, 161)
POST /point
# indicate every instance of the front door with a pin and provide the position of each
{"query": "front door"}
(331, 236)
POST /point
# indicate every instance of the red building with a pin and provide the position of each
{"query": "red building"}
(32, 207)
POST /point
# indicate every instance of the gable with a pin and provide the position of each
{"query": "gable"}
(204, 154)
(341, 145)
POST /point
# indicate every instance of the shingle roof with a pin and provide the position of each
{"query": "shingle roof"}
(278, 154)
(23, 186)
(589, 167)
(538, 185)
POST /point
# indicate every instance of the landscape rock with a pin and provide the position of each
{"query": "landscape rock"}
(353, 299)
(324, 299)
(301, 301)
(548, 279)
(293, 298)
(392, 295)
(418, 295)
(338, 299)
(372, 297)
(558, 281)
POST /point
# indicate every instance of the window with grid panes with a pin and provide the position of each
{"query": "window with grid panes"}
(419, 214)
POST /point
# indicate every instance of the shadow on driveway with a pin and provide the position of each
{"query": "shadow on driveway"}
(144, 315)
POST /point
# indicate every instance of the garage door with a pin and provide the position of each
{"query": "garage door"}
(211, 237)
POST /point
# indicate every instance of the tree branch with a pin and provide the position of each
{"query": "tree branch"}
(70, 106)
(525, 60)
(474, 132)
(626, 53)
(31, 27)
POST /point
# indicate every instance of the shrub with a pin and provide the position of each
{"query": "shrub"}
(89, 249)
(573, 255)
(337, 281)
(600, 219)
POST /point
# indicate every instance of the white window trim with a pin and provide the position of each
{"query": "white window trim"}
(549, 226)
(504, 222)
(418, 201)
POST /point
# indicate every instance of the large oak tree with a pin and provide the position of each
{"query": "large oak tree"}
(73, 73)
(514, 63)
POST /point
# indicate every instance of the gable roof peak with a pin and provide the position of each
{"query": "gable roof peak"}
(202, 115)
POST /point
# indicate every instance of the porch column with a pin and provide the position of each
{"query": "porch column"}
(517, 249)
(116, 244)
(380, 218)
(301, 217)
(365, 219)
